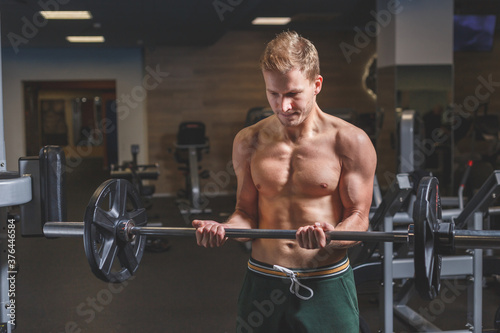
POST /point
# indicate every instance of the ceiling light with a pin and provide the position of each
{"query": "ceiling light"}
(85, 39)
(66, 15)
(271, 20)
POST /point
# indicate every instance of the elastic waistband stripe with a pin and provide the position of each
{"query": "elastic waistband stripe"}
(321, 273)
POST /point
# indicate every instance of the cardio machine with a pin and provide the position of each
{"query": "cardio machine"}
(189, 149)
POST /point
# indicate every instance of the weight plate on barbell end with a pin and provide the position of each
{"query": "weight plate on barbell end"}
(111, 258)
(427, 216)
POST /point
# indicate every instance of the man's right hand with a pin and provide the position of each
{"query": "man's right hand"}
(209, 233)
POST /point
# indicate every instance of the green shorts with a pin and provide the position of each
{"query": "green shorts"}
(276, 299)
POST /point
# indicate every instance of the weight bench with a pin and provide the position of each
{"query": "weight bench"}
(191, 144)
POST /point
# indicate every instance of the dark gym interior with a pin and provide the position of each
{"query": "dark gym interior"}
(158, 102)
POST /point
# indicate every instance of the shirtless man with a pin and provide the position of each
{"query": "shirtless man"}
(298, 169)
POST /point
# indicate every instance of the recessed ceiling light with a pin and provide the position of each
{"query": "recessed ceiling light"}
(85, 39)
(271, 20)
(66, 15)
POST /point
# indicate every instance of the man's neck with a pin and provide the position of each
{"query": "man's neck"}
(305, 129)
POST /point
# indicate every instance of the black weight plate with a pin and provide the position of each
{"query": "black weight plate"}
(114, 201)
(426, 218)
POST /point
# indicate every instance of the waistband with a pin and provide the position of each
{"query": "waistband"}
(322, 272)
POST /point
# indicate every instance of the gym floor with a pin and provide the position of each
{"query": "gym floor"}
(184, 289)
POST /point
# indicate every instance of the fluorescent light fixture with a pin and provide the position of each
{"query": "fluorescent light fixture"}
(66, 15)
(271, 20)
(85, 39)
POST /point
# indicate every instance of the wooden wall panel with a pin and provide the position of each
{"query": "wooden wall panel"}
(218, 84)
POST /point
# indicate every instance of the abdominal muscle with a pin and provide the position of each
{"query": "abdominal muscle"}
(292, 213)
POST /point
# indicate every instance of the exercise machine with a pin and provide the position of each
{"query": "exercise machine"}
(137, 174)
(409, 126)
(256, 114)
(190, 146)
(39, 189)
(388, 265)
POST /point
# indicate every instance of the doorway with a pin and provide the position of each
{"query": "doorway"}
(79, 116)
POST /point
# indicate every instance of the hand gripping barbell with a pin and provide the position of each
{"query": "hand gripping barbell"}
(115, 227)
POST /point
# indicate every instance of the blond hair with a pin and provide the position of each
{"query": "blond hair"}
(287, 51)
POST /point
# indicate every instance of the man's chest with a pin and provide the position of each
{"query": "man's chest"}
(311, 169)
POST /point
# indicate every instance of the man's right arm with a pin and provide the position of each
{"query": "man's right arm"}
(245, 216)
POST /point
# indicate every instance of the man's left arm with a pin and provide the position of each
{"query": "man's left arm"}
(359, 161)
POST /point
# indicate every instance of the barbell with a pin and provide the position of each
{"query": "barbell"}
(115, 228)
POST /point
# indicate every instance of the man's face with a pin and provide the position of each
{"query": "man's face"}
(291, 96)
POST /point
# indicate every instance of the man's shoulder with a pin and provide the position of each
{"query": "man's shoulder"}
(251, 131)
(246, 133)
(344, 129)
(247, 136)
(349, 138)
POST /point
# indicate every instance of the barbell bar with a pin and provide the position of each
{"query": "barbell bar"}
(115, 227)
(465, 239)
(75, 229)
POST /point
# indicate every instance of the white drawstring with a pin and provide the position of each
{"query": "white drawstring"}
(295, 285)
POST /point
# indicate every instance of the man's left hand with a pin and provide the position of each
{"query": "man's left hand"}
(313, 236)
